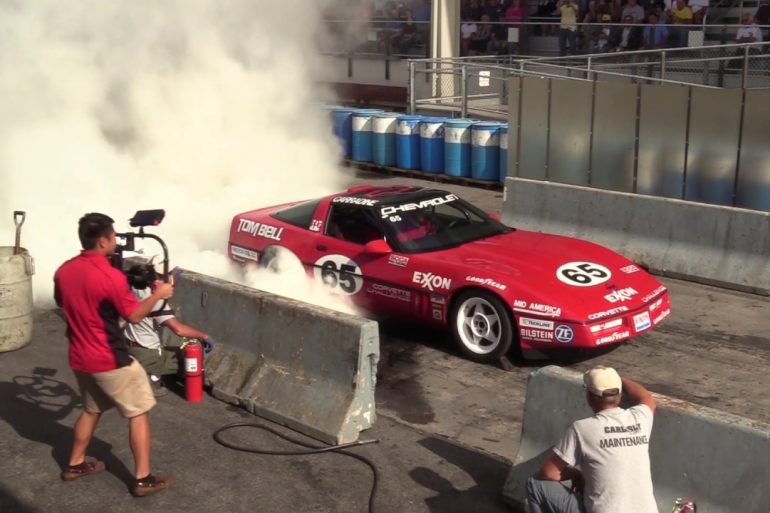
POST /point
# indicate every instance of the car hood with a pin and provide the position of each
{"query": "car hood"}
(528, 265)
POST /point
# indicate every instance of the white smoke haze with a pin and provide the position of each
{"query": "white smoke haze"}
(202, 108)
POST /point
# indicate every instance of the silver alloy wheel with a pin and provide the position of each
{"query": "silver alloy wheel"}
(478, 325)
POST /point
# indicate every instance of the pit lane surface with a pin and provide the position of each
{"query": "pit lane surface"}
(714, 350)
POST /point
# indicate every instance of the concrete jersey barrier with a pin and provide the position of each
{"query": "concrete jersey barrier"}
(303, 366)
(719, 460)
(707, 243)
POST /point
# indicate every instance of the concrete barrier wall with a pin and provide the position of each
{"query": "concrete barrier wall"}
(712, 244)
(717, 459)
(306, 367)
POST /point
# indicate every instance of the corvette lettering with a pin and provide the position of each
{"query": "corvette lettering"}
(486, 281)
(390, 292)
(615, 337)
(388, 211)
(618, 296)
(256, 229)
(350, 200)
(607, 313)
(431, 281)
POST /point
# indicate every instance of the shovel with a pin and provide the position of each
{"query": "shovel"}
(18, 220)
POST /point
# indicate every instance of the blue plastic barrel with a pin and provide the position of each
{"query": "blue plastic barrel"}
(457, 147)
(485, 151)
(408, 142)
(432, 145)
(384, 138)
(503, 152)
(362, 134)
(343, 128)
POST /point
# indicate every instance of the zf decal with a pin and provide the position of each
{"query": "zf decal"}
(583, 274)
(339, 272)
(563, 334)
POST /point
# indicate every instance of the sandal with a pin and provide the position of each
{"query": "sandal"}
(150, 484)
(87, 468)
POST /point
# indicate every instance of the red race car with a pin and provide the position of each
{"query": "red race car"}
(427, 255)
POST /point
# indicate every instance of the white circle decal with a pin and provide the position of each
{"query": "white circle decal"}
(583, 274)
(340, 273)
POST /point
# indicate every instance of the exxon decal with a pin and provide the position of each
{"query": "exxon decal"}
(618, 296)
(386, 212)
(431, 281)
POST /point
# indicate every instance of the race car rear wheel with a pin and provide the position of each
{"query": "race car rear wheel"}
(481, 325)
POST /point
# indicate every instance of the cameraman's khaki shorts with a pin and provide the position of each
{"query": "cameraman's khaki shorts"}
(126, 388)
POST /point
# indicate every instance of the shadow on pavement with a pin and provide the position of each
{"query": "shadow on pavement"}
(9, 504)
(487, 472)
(34, 405)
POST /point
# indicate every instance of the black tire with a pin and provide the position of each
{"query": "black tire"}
(482, 326)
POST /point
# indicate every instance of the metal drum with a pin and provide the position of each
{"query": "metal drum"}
(15, 298)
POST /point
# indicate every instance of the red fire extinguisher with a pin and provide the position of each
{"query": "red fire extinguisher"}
(193, 371)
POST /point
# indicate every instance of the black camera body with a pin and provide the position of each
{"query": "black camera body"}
(140, 272)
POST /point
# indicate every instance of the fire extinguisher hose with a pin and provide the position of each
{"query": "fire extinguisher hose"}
(309, 450)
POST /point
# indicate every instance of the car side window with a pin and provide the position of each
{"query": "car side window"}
(298, 215)
(353, 224)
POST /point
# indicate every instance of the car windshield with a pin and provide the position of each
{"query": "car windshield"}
(432, 223)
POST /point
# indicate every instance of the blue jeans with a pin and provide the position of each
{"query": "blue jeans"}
(567, 35)
(552, 497)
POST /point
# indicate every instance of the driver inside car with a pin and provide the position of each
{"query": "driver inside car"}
(415, 226)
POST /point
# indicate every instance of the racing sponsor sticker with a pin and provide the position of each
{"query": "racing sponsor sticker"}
(339, 273)
(352, 200)
(615, 337)
(540, 324)
(523, 306)
(662, 315)
(536, 335)
(606, 325)
(398, 260)
(563, 334)
(243, 253)
(388, 211)
(390, 292)
(654, 306)
(438, 299)
(437, 313)
(257, 229)
(486, 281)
(431, 281)
(607, 313)
(649, 297)
(618, 296)
(583, 274)
(315, 225)
(630, 269)
(642, 321)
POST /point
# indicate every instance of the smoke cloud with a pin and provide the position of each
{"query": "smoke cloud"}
(203, 108)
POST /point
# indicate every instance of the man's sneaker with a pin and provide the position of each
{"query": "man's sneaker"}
(149, 485)
(87, 468)
(158, 388)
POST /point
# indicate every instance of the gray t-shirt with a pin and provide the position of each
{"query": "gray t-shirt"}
(612, 450)
(147, 331)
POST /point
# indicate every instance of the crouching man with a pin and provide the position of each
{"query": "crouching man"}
(604, 457)
(145, 340)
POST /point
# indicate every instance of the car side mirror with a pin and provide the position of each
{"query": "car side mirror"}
(377, 247)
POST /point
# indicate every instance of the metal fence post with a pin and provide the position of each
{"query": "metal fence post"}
(464, 91)
(412, 99)
(744, 75)
(663, 65)
(588, 68)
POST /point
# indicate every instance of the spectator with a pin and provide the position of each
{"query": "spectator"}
(480, 40)
(627, 38)
(749, 32)
(611, 448)
(568, 27)
(421, 15)
(515, 15)
(408, 35)
(494, 9)
(468, 30)
(600, 34)
(634, 10)
(545, 9)
(392, 27)
(681, 16)
(699, 9)
(655, 34)
(762, 17)
(474, 10)
(616, 10)
(94, 296)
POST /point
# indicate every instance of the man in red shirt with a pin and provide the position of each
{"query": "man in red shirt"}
(94, 296)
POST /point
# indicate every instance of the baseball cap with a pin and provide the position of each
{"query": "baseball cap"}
(603, 381)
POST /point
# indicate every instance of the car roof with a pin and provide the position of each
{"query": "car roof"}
(391, 194)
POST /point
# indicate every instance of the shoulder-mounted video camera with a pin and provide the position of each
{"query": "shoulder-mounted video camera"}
(140, 272)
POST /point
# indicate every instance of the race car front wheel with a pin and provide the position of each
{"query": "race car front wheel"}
(482, 326)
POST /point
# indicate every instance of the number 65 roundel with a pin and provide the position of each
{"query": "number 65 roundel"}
(583, 274)
(339, 273)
